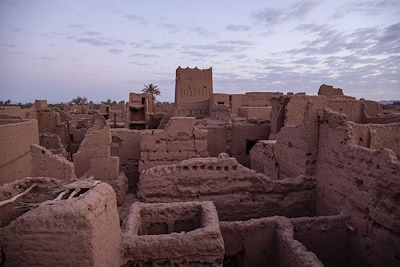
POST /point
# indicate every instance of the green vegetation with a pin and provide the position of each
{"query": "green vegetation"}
(79, 100)
(152, 89)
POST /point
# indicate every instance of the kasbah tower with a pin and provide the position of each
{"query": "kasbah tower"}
(193, 85)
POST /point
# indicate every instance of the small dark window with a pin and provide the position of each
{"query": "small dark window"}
(249, 146)
(143, 100)
(221, 103)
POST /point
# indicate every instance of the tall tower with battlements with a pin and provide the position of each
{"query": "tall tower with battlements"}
(193, 85)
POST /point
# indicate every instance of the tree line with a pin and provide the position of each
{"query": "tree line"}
(83, 100)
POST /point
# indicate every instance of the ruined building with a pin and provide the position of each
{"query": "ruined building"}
(255, 179)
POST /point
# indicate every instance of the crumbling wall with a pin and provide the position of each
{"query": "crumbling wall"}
(258, 99)
(15, 157)
(327, 236)
(198, 110)
(82, 231)
(264, 242)
(45, 164)
(77, 132)
(216, 143)
(39, 193)
(236, 138)
(94, 159)
(263, 159)
(295, 150)
(172, 234)
(220, 112)
(178, 141)
(250, 243)
(353, 109)
(377, 136)
(329, 91)
(15, 111)
(278, 113)
(53, 143)
(364, 184)
(238, 192)
(243, 136)
(49, 121)
(372, 108)
(255, 112)
(96, 144)
(126, 145)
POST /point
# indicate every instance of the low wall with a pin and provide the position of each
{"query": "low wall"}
(238, 192)
(327, 236)
(172, 234)
(264, 242)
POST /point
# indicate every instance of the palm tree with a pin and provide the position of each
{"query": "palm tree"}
(152, 89)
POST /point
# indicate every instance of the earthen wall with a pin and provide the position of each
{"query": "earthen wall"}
(15, 157)
(364, 184)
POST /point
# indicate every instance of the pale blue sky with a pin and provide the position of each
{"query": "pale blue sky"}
(106, 49)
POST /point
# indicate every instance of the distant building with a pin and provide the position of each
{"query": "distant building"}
(193, 88)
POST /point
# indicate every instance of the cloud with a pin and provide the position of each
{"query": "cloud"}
(75, 26)
(367, 41)
(237, 28)
(47, 58)
(239, 56)
(241, 43)
(139, 63)
(368, 8)
(142, 55)
(8, 45)
(91, 33)
(362, 62)
(203, 32)
(171, 28)
(95, 41)
(162, 46)
(115, 51)
(136, 18)
(273, 16)
(224, 46)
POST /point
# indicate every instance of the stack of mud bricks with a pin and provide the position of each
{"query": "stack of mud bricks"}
(178, 141)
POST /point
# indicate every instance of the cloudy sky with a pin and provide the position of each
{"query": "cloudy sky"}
(56, 50)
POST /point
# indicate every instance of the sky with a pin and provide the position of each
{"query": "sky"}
(56, 50)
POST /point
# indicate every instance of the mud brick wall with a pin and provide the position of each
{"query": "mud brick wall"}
(364, 184)
(46, 164)
(82, 231)
(238, 192)
(126, 145)
(377, 136)
(264, 242)
(178, 141)
(295, 149)
(201, 245)
(15, 157)
(327, 236)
